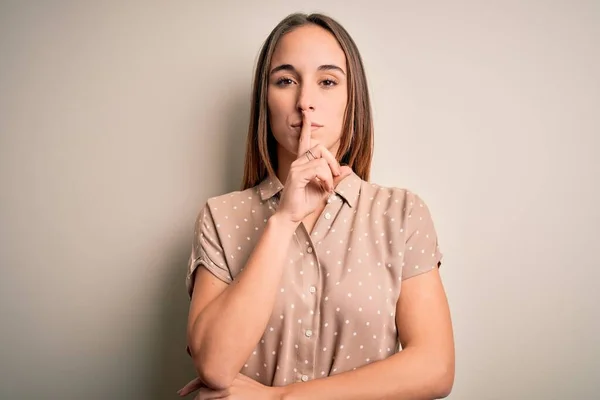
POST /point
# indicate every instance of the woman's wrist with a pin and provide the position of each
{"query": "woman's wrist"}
(282, 224)
(281, 392)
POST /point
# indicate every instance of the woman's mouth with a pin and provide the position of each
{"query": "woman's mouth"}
(313, 127)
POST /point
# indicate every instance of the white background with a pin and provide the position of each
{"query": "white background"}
(118, 121)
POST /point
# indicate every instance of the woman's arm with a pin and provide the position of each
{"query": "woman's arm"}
(226, 321)
(424, 369)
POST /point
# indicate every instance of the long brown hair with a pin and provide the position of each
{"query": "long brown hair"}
(356, 143)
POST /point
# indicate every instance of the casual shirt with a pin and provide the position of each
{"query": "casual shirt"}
(336, 302)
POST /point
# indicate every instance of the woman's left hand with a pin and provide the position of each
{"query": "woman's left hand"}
(242, 388)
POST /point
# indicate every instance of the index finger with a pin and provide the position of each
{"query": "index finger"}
(304, 140)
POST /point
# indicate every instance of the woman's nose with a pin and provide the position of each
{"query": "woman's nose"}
(305, 99)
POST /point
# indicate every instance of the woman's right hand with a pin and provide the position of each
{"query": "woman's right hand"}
(309, 183)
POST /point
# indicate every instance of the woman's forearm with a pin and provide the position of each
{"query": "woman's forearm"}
(227, 330)
(410, 374)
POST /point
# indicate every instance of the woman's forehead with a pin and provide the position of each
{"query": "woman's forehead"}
(308, 47)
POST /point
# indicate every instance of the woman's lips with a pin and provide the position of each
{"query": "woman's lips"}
(313, 125)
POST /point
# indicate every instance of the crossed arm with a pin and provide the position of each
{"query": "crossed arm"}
(424, 369)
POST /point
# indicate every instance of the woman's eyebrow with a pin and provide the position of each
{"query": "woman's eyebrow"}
(329, 67)
(289, 67)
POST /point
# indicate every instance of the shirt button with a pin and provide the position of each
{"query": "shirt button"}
(309, 250)
(304, 378)
(308, 333)
(327, 216)
(312, 289)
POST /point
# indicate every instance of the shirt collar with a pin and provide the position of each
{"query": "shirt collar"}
(348, 188)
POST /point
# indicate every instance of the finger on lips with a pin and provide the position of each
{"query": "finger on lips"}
(304, 141)
(319, 152)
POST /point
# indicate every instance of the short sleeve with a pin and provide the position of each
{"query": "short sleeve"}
(206, 250)
(422, 253)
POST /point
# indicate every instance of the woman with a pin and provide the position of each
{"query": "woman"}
(297, 288)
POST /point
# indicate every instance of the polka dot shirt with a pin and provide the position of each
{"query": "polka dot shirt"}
(335, 307)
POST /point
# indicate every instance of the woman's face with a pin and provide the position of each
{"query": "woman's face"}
(307, 72)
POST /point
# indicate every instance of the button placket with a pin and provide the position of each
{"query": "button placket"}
(307, 338)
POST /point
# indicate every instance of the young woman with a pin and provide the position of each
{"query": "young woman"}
(306, 284)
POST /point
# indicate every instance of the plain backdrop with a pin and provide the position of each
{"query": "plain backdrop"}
(119, 119)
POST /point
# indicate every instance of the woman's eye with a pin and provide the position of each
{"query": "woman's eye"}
(284, 81)
(329, 82)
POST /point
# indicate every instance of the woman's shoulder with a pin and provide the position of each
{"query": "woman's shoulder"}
(399, 205)
(235, 198)
(391, 194)
(233, 205)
